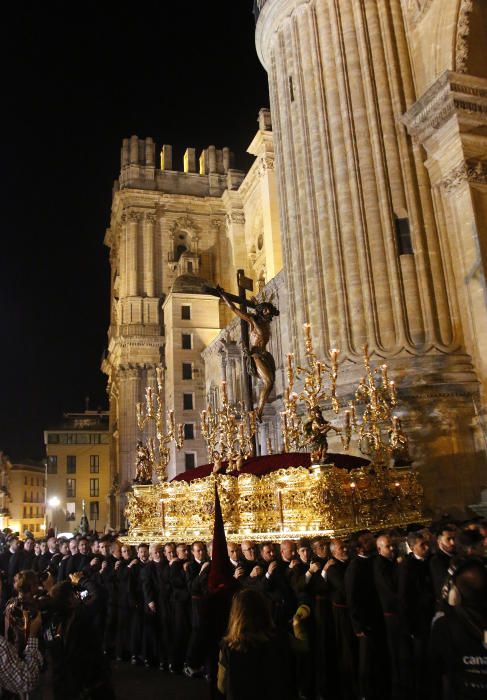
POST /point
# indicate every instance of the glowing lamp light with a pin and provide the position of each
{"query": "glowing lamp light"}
(53, 502)
(352, 484)
(43, 527)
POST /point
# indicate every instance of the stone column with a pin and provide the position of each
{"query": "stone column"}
(132, 250)
(148, 246)
(129, 395)
(122, 256)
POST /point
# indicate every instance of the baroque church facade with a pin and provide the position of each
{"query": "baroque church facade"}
(365, 213)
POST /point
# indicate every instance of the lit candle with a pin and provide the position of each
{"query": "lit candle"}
(347, 418)
(307, 330)
(160, 377)
(384, 375)
(171, 420)
(392, 389)
(290, 359)
(139, 410)
(352, 484)
(334, 355)
(224, 392)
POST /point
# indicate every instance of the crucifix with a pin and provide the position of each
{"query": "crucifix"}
(255, 330)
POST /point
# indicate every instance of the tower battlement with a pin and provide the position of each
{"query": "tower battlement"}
(207, 174)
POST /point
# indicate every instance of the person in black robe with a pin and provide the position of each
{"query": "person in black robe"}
(197, 580)
(416, 609)
(141, 638)
(440, 562)
(345, 641)
(124, 601)
(181, 607)
(386, 582)
(366, 616)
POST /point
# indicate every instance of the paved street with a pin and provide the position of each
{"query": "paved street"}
(150, 684)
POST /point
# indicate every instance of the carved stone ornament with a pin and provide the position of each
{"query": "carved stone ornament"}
(470, 171)
(150, 218)
(266, 163)
(235, 217)
(185, 223)
(134, 216)
(463, 29)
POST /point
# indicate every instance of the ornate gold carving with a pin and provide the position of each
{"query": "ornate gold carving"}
(285, 503)
(470, 171)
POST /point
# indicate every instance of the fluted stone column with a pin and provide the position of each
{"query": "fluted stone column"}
(129, 395)
(148, 244)
(132, 252)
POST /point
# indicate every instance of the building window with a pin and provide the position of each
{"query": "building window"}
(186, 341)
(189, 431)
(94, 464)
(94, 487)
(52, 438)
(71, 464)
(187, 402)
(70, 511)
(52, 464)
(187, 370)
(25, 511)
(94, 510)
(403, 236)
(70, 488)
(186, 312)
(189, 460)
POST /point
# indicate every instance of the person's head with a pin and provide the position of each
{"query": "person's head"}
(104, 548)
(155, 551)
(250, 620)
(248, 550)
(470, 543)
(95, 546)
(198, 550)
(446, 539)
(169, 550)
(115, 549)
(37, 548)
(267, 551)
(265, 311)
(73, 545)
(418, 544)
(63, 548)
(13, 543)
(338, 549)
(26, 584)
(83, 546)
(126, 551)
(232, 549)
(288, 550)
(470, 578)
(385, 547)
(51, 544)
(64, 598)
(304, 550)
(365, 543)
(143, 552)
(43, 547)
(29, 545)
(182, 552)
(320, 547)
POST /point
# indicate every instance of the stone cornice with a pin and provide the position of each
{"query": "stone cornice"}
(464, 96)
(271, 15)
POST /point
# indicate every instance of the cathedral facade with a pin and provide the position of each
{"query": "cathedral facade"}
(369, 190)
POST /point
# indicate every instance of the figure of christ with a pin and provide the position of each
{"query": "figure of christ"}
(260, 362)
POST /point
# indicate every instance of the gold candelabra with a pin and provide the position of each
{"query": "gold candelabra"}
(166, 430)
(319, 386)
(228, 432)
(379, 431)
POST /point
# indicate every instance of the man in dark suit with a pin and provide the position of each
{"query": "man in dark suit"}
(416, 609)
(180, 607)
(22, 559)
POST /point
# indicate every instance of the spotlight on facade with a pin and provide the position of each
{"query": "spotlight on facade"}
(53, 502)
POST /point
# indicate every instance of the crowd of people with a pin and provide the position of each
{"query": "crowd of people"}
(381, 616)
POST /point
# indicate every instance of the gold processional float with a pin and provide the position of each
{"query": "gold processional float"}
(315, 498)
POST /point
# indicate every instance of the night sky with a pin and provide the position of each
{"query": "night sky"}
(77, 79)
